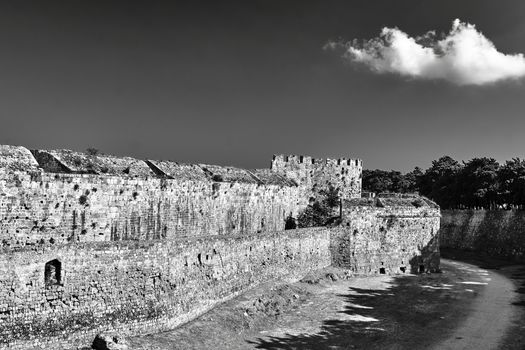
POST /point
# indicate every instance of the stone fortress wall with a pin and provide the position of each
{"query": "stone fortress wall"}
(314, 175)
(395, 234)
(93, 243)
(496, 233)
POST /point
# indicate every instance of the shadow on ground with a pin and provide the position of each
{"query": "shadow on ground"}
(516, 270)
(400, 312)
(411, 312)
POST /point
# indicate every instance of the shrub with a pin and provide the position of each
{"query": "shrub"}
(290, 223)
(321, 212)
(92, 151)
(316, 214)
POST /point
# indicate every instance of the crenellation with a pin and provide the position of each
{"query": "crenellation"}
(96, 243)
(315, 175)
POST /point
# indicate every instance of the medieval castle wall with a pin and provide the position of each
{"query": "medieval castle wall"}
(92, 243)
(315, 175)
(388, 238)
(44, 208)
(136, 287)
(492, 232)
(81, 206)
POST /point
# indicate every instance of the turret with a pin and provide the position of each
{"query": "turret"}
(317, 174)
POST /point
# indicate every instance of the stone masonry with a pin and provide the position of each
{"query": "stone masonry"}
(93, 243)
(314, 175)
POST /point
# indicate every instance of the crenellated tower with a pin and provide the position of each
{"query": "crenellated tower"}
(317, 174)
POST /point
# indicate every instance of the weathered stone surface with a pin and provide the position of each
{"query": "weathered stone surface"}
(45, 208)
(268, 177)
(494, 232)
(107, 341)
(140, 287)
(67, 161)
(179, 171)
(229, 174)
(314, 175)
(16, 158)
(401, 237)
(88, 246)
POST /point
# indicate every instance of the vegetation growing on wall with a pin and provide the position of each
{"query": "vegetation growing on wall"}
(322, 210)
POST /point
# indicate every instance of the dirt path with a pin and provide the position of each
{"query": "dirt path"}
(465, 307)
(492, 313)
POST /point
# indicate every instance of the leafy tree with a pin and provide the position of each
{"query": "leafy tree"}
(320, 212)
(412, 180)
(439, 182)
(315, 214)
(330, 196)
(92, 151)
(377, 181)
(512, 182)
(478, 183)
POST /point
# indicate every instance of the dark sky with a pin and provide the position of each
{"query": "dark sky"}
(235, 82)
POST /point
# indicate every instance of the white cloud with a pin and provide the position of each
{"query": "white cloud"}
(464, 56)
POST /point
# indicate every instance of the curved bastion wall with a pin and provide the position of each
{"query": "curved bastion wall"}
(314, 175)
(388, 235)
(93, 243)
(496, 233)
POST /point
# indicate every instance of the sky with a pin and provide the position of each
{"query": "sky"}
(234, 82)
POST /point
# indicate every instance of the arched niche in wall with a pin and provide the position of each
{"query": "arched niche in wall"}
(53, 273)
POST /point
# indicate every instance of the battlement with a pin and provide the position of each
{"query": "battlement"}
(92, 243)
(301, 159)
(315, 174)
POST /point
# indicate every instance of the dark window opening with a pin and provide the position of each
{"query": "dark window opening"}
(382, 271)
(403, 269)
(421, 268)
(53, 273)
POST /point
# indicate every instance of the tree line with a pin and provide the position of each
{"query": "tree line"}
(478, 183)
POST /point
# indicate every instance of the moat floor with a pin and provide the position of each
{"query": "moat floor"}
(465, 307)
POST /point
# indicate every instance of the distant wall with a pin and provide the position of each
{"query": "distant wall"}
(138, 287)
(390, 240)
(494, 232)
